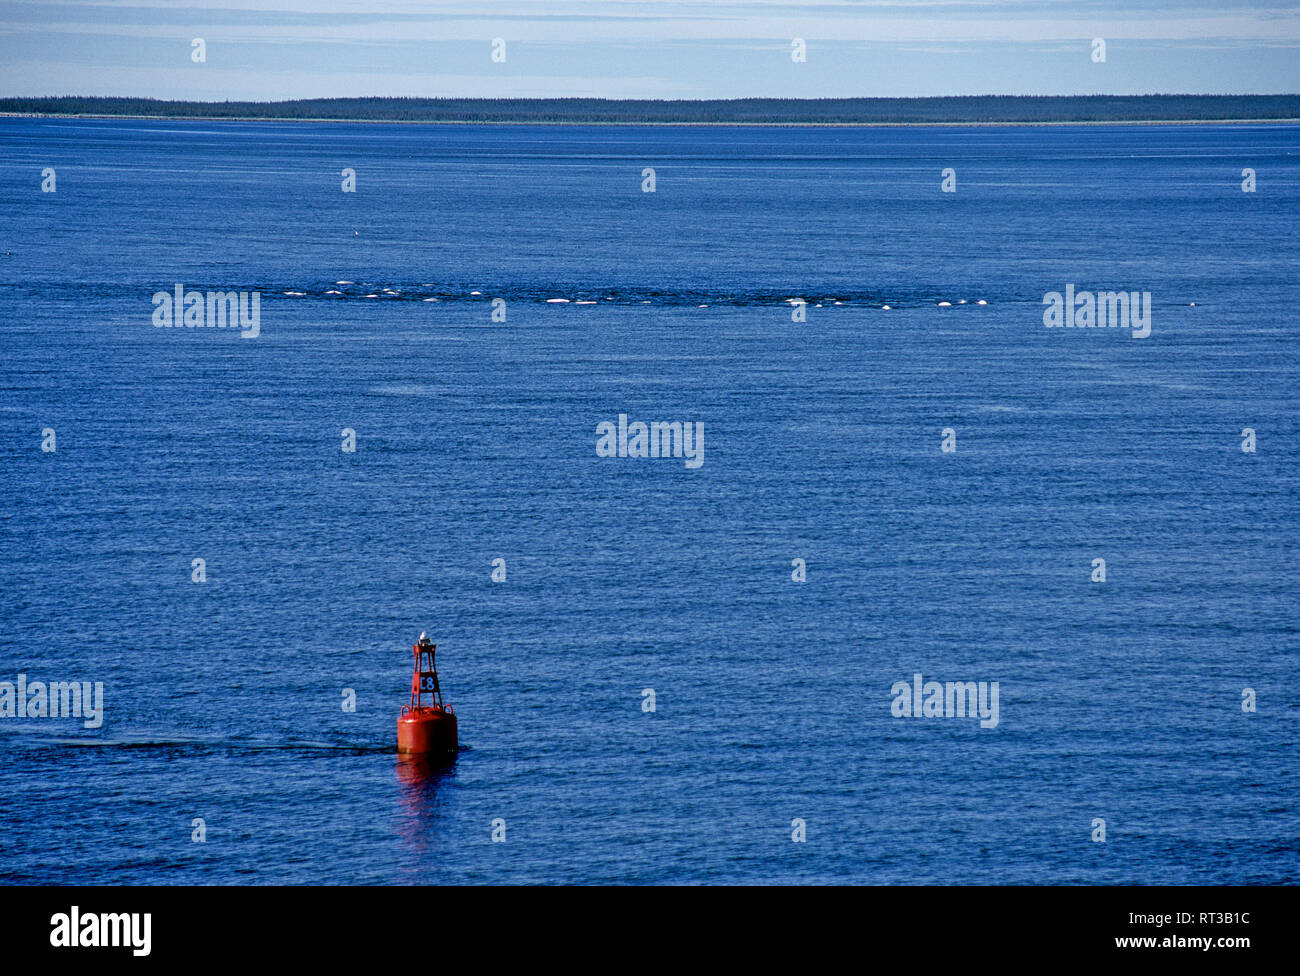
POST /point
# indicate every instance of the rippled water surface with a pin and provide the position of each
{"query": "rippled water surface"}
(476, 440)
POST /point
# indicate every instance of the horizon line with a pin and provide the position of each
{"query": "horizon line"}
(601, 98)
(824, 111)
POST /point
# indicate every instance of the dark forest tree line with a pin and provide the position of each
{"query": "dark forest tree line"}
(973, 108)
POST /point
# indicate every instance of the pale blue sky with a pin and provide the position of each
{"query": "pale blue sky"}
(271, 49)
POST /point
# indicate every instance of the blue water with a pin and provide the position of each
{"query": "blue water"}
(476, 441)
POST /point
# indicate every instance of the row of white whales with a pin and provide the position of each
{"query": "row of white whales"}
(397, 293)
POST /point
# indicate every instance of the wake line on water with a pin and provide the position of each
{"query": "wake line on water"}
(202, 744)
(560, 294)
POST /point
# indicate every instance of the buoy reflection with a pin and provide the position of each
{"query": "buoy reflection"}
(420, 778)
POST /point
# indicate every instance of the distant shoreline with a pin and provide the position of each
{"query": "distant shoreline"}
(741, 125)
(958, 110)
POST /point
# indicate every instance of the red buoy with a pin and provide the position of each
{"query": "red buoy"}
(427, 730)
